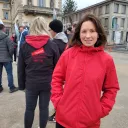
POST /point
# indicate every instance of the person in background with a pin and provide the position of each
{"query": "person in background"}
(69, 33)
(6, 52)
(14, 39)
(36, 62)
(59, 37)
(23, 33)
(74, 27)
(89, 77)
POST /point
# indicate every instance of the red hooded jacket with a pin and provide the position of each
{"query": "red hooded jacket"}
(87, 71)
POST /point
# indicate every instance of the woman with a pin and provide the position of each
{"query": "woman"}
(37, 59)
(87, 71)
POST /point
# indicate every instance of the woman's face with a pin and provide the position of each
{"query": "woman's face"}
(88, 34)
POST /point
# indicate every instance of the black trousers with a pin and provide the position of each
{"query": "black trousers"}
(31, 102)
(58, 125)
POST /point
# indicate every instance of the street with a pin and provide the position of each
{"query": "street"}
(12, 106)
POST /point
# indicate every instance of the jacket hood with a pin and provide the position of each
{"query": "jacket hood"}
(37, 41)
(89, 50)
(3, 35)
(62, 37)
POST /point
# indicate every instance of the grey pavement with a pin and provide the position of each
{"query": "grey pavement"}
(12, 106)
(120, 50)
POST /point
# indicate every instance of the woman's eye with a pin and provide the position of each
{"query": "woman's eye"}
(92, 31)
(83, 31)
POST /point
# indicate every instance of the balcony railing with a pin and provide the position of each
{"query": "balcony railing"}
(29, 9)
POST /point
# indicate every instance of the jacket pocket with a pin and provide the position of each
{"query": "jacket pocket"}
(96, 115)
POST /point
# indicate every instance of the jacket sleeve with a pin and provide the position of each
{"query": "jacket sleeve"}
(21, 70)
(58, 79)
(10, 45)
(110, 88)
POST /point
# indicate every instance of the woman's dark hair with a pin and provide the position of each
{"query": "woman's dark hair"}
(102, 40)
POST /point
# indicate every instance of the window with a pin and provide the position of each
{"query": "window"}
(106, 22)
(29, 2)
(100, 10)
(122, 22)
(107, 9)
(51, 3)
(113, 35)
(102, 21)
(80, 15)
(94, 11)
(116, 8)
(77, 16)
(74, 17)
(41, 3)
(6, 15)
(123, 10)
(114, 23)
(7, 31)
(5, 5)
(122, 35)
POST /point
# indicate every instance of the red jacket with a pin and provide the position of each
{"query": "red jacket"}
(87, 71)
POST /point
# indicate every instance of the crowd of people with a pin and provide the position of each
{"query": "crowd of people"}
(69, 67)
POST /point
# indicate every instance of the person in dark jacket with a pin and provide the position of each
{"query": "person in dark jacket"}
(14, 39)
(6, 52)
(60, 38)
(36, 62)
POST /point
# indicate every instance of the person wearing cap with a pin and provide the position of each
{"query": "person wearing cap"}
(59, 37)
(6, 52)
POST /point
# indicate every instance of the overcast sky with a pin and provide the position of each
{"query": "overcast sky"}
(84, 3)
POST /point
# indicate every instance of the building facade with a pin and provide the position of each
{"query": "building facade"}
(113, 15)
(22, 12)
(5, 14)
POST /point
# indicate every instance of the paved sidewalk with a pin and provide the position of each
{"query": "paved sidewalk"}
(12, 106)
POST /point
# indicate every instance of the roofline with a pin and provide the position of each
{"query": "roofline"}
(94, 5)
